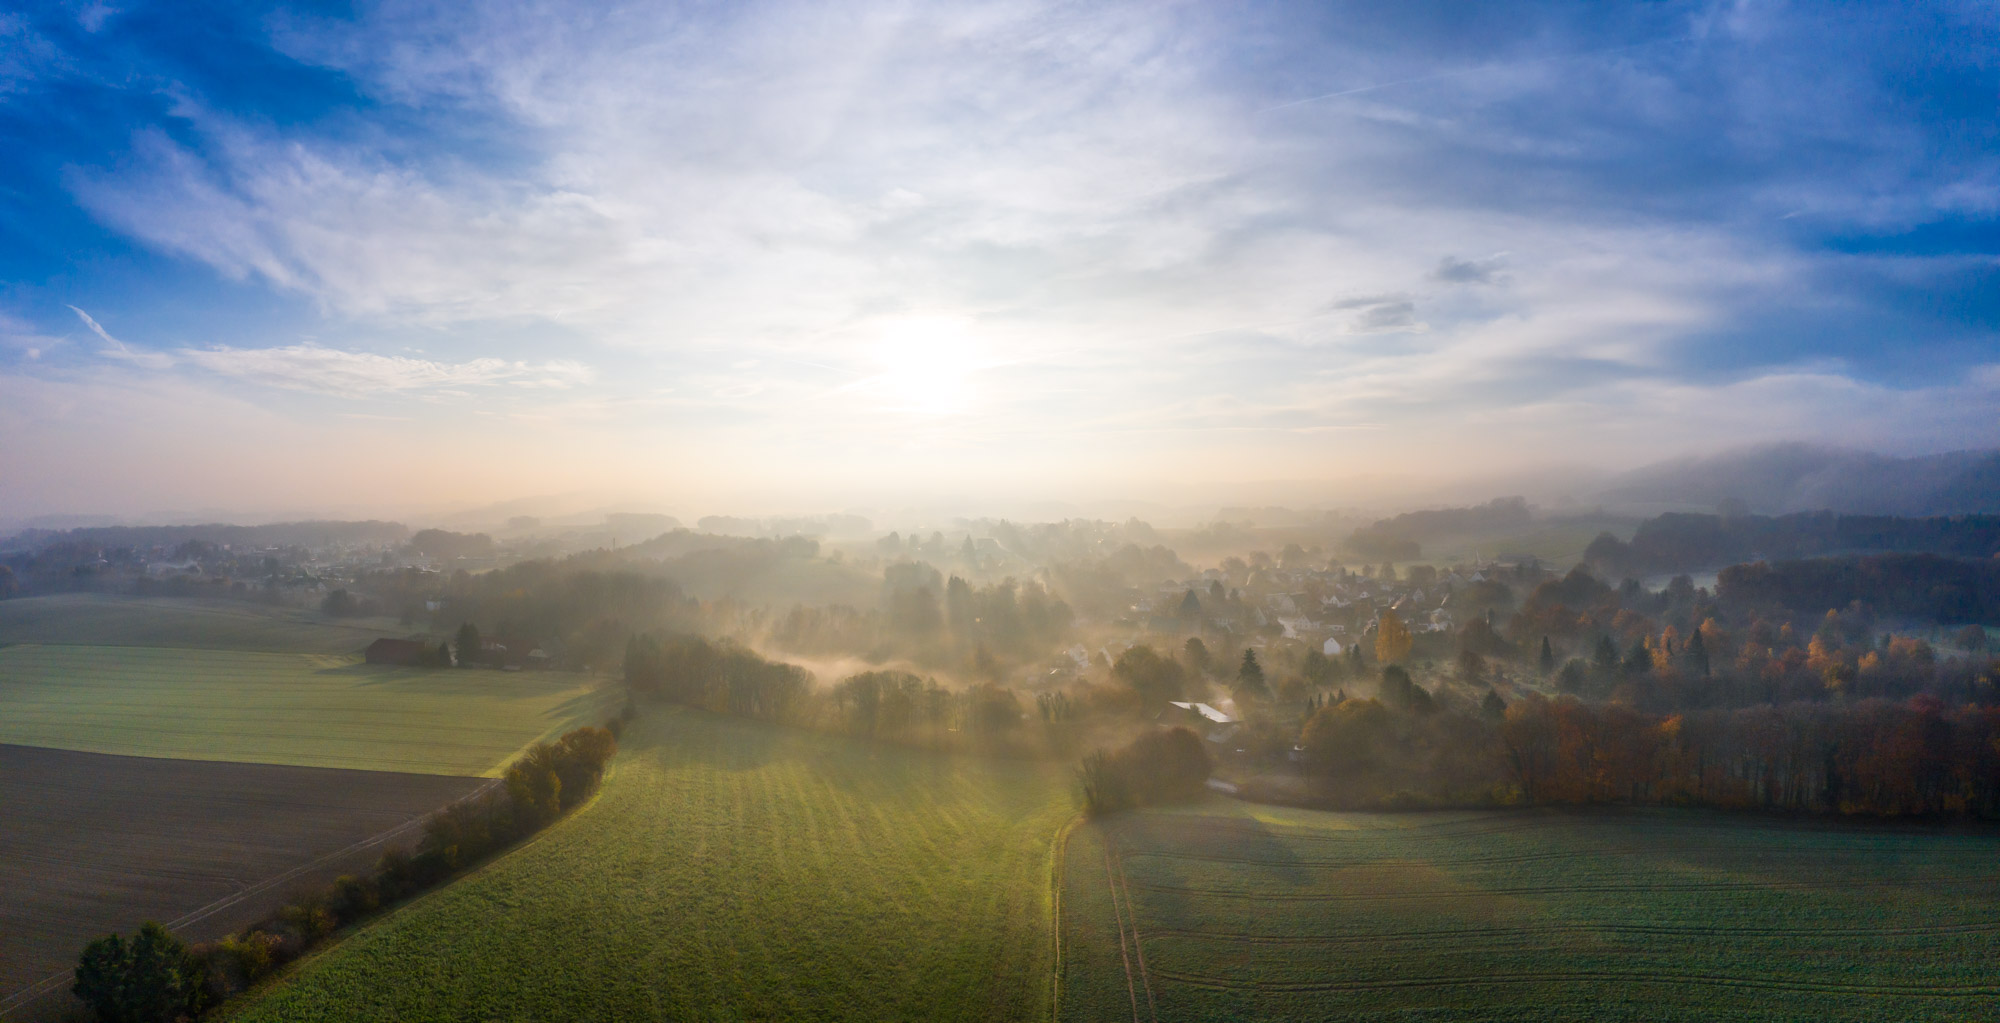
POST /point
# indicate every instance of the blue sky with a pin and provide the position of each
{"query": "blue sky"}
(782, 256)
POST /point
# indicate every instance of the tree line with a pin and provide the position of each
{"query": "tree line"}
(154, 977)
(718, 675)
(1872, 757)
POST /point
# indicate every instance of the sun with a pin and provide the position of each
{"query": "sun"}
(927, 365)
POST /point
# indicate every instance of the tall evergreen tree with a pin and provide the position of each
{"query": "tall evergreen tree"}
(1250, 679)
(468, 645)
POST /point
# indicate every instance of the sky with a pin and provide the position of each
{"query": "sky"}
(762, 257)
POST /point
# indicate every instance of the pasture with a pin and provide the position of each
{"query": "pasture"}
(1227, 911)
(96, 843)
(311, 710)
(732, 870)
(97, 619)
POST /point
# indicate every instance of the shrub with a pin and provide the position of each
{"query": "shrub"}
(1157, 767)
(242, 959)
(393, 879)
(151, 979)
(352, 897)
(310, 915)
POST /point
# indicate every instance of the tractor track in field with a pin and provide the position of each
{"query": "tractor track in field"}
(1571, 889)
(1058, 879)
(1138, 947)
(1586, 977)
(1641, 930)
(1612, 852)
(410, 823)
(1118, 915)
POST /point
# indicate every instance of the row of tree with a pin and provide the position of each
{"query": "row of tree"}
(153, 977)
(718, 675)
(1891, 758)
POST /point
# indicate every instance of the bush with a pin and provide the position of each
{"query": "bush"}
(151, 979)
(352, 898)
(1157, 767)
(240, 960)
(310, 916)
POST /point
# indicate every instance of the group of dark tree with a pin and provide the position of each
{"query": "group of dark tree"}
(1159, 766)
(717, 675)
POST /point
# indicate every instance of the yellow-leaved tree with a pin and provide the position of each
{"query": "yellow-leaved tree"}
(1392, 639)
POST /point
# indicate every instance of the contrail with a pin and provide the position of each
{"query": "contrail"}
(1462, 72)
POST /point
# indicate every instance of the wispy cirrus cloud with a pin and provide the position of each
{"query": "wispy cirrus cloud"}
(309, 367)
(334, 371)
(1140, 219)
(120, 350)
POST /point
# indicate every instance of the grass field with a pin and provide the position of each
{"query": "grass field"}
(733, 871)
(104, 620)
(1562, 542)
(1232, 912)
(95, 843)
(300, 709)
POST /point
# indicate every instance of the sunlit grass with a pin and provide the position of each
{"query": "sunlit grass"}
(311, 710)
(732, 870)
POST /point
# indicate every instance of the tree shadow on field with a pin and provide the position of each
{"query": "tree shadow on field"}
(719, 741)
(1185, 854)
(453, 681)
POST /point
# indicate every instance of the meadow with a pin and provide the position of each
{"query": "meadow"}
(736, 871)
(312, 710)
(96, 619)
(1227, 911)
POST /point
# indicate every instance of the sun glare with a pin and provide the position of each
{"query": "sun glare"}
(926, 365)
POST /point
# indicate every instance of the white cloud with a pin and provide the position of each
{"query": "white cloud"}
(120, 350)
(1140, 245)
(309, 367)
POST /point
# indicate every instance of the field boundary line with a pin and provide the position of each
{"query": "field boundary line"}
(53, 981)
(1111, 884)
(1058, 879)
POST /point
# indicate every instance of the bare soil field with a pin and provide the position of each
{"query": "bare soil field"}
(94, 843)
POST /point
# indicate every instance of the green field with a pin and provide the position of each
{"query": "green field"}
(311, 710)
(1228, 911)
(733, 871)
(104, 620)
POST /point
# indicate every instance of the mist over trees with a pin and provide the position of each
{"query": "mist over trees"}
(1684, 542)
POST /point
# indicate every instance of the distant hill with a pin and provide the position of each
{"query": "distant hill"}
(1782, 478)
(277, 534)
(1686, 542)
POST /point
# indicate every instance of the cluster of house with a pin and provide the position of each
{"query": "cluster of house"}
(1330, 608)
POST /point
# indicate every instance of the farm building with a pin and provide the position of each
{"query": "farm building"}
(397, 651)
(1213, 725)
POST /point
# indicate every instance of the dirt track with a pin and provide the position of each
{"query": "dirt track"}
(95, 843)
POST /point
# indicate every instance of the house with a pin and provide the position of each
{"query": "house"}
(1200, 710)
(406, 652)
(1214, 726)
